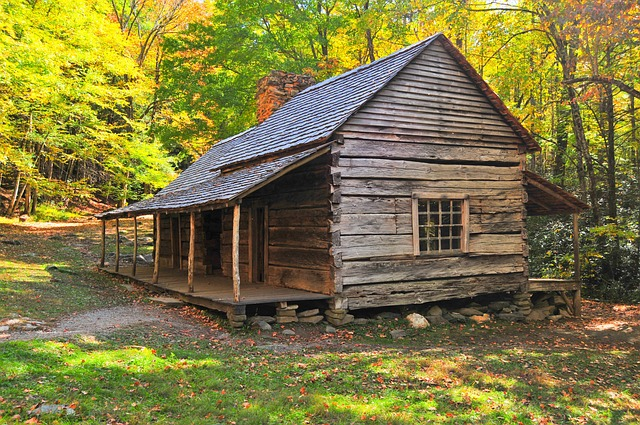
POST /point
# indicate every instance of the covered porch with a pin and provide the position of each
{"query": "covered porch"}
(213, 291)
(545, 198)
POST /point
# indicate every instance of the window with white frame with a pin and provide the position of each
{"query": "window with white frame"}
(440, 224)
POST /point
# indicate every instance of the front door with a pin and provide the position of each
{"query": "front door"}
(259, 243)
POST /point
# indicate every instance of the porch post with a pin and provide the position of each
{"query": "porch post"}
(172, 243)
(192, 250)
(103, 251)
(577, 297)
(135, 245)
(117, 245)
(156, 260)
(180, 240)
(235, 253)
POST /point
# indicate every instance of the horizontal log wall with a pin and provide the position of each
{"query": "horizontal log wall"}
(298, 230)
(430, 130)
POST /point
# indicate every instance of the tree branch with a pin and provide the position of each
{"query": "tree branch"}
(602, 79)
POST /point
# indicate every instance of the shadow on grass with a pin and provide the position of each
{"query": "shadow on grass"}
(189, 381)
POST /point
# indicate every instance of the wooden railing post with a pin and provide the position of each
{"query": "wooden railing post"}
(156, 259)
(235, 253)
(192, 250)
(117, 245)
(103, 251)
(577, 296)
(135, 246)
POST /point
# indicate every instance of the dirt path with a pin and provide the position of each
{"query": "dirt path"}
(108, 320)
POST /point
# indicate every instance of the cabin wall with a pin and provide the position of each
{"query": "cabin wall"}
(429, 130)
(298, 216)
(175, 237)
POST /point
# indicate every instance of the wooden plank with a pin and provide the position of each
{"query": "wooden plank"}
(513, 204)
(425, 267)
(103, 243)
(548, 285)
(371, 246)
(134, 268)
(496, 244)
(375, 224)
(304, 237)
(413, 149)
(117, 245)
(405, 169)
(447, 109)
(505, 222)
(430, 127)
(456, 118)
(436, 93)
(374, 204)
(235, 256)
(192, 250)
(299, 217)
(382, 295)
(158, 242)
(381, 187)
(304, 279)
(305, 258)
(418, 130)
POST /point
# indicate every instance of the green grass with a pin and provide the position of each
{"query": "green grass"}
(30, 288)
(442, 375)
(139, 380)
(47, 212)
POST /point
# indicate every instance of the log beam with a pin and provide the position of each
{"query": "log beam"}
(103, 250)
(135, 246)
(235, 253)
(117, 245)
(156, 259)
(192, 250)
(180, 240)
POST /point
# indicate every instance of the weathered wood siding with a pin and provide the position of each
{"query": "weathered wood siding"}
(429, 130)
(298, 230)
(175, 231)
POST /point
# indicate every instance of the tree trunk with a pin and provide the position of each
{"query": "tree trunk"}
(370, 48)
(562, 138)
(566, 55)
(27, 200)
(34, 201)
(14, 198)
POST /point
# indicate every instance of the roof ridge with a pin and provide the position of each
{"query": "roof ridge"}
(323, 83)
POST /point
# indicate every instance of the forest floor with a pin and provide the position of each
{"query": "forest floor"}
(76, 338)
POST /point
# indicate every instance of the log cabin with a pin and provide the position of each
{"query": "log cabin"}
(400, 182)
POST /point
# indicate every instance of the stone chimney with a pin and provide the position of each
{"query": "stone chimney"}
(277, 88)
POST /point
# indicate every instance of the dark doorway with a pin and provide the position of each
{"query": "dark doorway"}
(259, 243)
(212, 229)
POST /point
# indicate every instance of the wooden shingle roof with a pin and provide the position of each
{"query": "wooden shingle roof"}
(306, 121)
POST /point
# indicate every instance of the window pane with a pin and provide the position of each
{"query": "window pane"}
(440, 226)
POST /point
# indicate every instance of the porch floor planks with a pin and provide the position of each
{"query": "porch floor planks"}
(216, 289)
